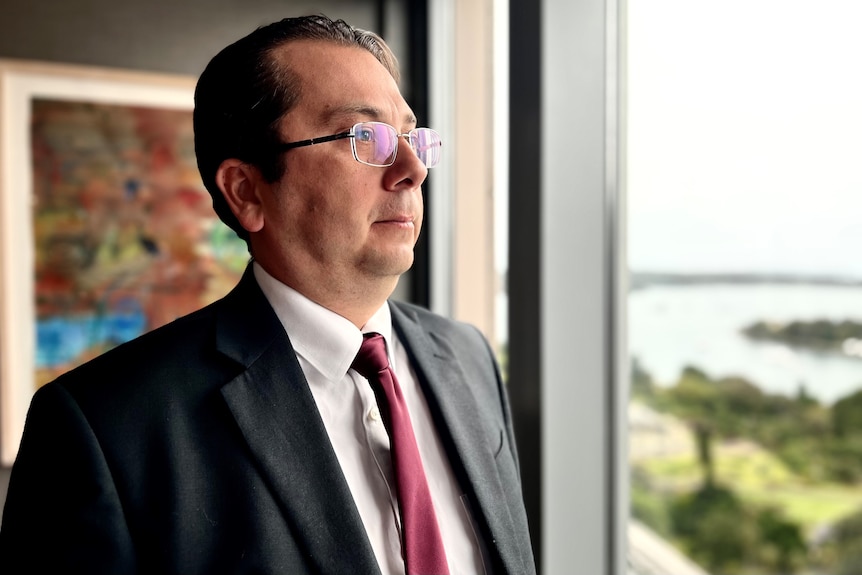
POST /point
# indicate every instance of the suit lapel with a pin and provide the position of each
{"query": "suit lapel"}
(278, 418)
(452, 401)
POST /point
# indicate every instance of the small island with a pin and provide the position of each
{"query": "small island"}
(822, 335)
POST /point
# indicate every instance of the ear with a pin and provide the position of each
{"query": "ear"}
(241, 185)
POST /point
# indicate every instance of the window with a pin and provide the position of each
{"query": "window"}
(744, 188)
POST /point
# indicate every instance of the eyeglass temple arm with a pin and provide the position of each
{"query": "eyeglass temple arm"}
(313, 141)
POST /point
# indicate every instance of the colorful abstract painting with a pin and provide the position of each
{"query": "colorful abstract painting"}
(125, 236)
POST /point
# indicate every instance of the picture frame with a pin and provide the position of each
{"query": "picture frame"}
(106, 230)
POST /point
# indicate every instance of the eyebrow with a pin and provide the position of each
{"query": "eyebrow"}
(348, 110)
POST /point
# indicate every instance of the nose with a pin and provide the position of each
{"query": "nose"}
(408, 171)
(405, 139)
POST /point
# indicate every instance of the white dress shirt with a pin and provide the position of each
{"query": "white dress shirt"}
(326, 344)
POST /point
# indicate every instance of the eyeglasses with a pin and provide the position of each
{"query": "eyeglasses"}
(376, 143)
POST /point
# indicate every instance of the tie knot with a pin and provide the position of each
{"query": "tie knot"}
(372, 358)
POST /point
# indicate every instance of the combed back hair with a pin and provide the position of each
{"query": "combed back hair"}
(244, 92)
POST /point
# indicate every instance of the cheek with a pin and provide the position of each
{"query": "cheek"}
(332, 208)
(420, 215)
(329, 220)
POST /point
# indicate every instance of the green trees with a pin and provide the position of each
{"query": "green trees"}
(820, 443)
(726, 536)
(844, 546)
(725, 530)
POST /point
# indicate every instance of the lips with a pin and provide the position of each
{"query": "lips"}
(397, 219)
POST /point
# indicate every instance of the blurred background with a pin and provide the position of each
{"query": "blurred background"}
(652, 208)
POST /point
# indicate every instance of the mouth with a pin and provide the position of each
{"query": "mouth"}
(400, 221)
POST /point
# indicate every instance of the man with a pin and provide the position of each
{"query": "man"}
(244, 438)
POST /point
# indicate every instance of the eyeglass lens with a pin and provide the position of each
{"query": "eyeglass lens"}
(376, 144)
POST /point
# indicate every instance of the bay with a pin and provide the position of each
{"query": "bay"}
(671, 326)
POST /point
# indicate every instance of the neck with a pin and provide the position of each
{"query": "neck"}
(358, 307)
(356, 299)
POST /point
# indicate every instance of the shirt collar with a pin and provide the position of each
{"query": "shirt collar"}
(327, 341)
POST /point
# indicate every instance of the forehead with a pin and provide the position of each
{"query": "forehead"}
(339, 82)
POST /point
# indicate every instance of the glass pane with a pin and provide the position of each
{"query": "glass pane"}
(744, 179)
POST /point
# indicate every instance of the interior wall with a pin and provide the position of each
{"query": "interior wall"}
(173, 36)
(178, 36)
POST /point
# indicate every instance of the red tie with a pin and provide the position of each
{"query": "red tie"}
(423, 546)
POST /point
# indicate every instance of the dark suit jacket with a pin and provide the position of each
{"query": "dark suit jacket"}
(198, 449)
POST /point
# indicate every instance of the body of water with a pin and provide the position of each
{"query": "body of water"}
(672, 326)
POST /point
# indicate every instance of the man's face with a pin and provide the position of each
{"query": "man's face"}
(331, 218)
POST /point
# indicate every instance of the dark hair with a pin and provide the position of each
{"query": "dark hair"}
(243, 93)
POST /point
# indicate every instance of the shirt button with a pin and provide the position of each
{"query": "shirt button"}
(374, 414)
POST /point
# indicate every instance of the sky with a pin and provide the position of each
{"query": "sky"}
(744, 137)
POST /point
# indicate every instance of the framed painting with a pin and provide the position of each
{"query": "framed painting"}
(106, 230)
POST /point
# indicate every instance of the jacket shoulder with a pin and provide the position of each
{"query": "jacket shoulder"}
(430, 320)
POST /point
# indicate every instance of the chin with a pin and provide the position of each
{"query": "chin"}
(392, 265)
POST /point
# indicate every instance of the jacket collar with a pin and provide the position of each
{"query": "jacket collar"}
(455, 409)
(276, 414)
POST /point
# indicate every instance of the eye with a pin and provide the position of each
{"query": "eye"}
(364, 134)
